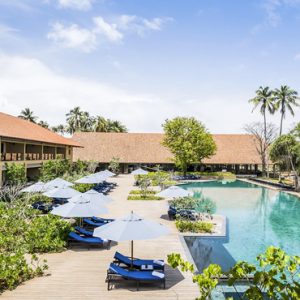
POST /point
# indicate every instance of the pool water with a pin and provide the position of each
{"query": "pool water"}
(257, 217)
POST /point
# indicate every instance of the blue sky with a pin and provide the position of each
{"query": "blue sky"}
(144, 61)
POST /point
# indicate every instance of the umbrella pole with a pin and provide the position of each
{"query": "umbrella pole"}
(131, 254)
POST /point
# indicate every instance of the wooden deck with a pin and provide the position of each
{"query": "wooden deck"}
(80, 274)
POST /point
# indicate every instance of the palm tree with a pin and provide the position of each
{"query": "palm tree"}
(27, 114)
(116, 126)
(264, 98)
(285, 98)
(74, 119)
(100, 124)
(43, 124)
(58, 129)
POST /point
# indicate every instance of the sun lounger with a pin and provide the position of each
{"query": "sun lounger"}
(92, 223)
(75, 238)
(102, 220)
(84, 231)
(115, 273)
(138, 263)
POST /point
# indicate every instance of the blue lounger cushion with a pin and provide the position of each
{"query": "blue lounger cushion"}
(84, 231)
(137, 263)
(87, 240)
(92, 223)
(102, 220)
(135, 275)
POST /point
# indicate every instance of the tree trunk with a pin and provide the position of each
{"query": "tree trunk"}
(266, 156)
(281, 121)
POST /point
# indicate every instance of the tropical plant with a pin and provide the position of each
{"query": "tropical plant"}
(193, 226)
(54, 168)
(76, 120)
(115, 126)
(27, 114)
(15, 173)
(296, 131)
(188, 140)
(286, 99)
(275, 276)
(144, 184)
(59, 129)
(114, 165)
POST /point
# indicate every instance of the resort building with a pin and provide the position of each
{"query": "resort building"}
(235, 152)
(30, 144)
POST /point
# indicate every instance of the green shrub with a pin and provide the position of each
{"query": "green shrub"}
(155, 178)
(138, 192)
(147, 197)
(54, 168)
(39, 198)
(194, 226)
(47, 234)
(15, 173)
(82, 188)
(14, 269)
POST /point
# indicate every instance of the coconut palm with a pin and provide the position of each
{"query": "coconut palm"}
(116, 126)
(286, 98)
(58, 129)
(264, 98)
(43, 124)
(100, 124)
(74, 119)
(27, 114)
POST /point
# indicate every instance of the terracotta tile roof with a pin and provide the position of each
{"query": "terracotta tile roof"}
(17, 128)
(147, 148)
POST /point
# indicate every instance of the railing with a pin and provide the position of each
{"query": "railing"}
(30, 156)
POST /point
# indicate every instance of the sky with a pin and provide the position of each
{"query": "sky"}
(142, 62)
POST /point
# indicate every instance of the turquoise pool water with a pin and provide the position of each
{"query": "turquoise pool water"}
(257, 217)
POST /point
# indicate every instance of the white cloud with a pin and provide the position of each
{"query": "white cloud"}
(76, 4)
(27, 82)
(73, 37)
(86, 39)
(109, 30)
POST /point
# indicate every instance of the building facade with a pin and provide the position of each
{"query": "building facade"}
(235, 152)
(24, 142)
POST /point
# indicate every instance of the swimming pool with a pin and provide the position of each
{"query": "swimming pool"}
(257, 217)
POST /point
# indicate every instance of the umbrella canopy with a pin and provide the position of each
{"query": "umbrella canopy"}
(58, 183)
(174, 192)
(108, 173)
(94, 195)
(131, 228)
(62, 193)
(37, 187)
(80, 208)
(139, 172)
(92, 179)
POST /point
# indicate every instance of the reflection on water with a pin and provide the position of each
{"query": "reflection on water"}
(257, 218)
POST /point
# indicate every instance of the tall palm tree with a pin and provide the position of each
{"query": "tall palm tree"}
(285, 98)
(27, 114)
(264, 98)
(74, 119)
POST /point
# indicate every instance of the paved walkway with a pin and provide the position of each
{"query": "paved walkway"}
(80, 274)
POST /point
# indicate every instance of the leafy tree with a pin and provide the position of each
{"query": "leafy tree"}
(286, 98)
(144, 184)
(54, 168)
(263, 135)
(188, 140)
(286, 151)
(275, 276)
(27, 114)
(15, 173)
(114, 165)
(76, 120)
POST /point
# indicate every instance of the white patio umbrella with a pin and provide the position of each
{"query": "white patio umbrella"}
(57, 183)
(131, 228)
(174, 192)
(37, 187)
(94, 195)
(139, 172)
(109, 173)
(80, 208)
(92, 179)
(62, 193)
